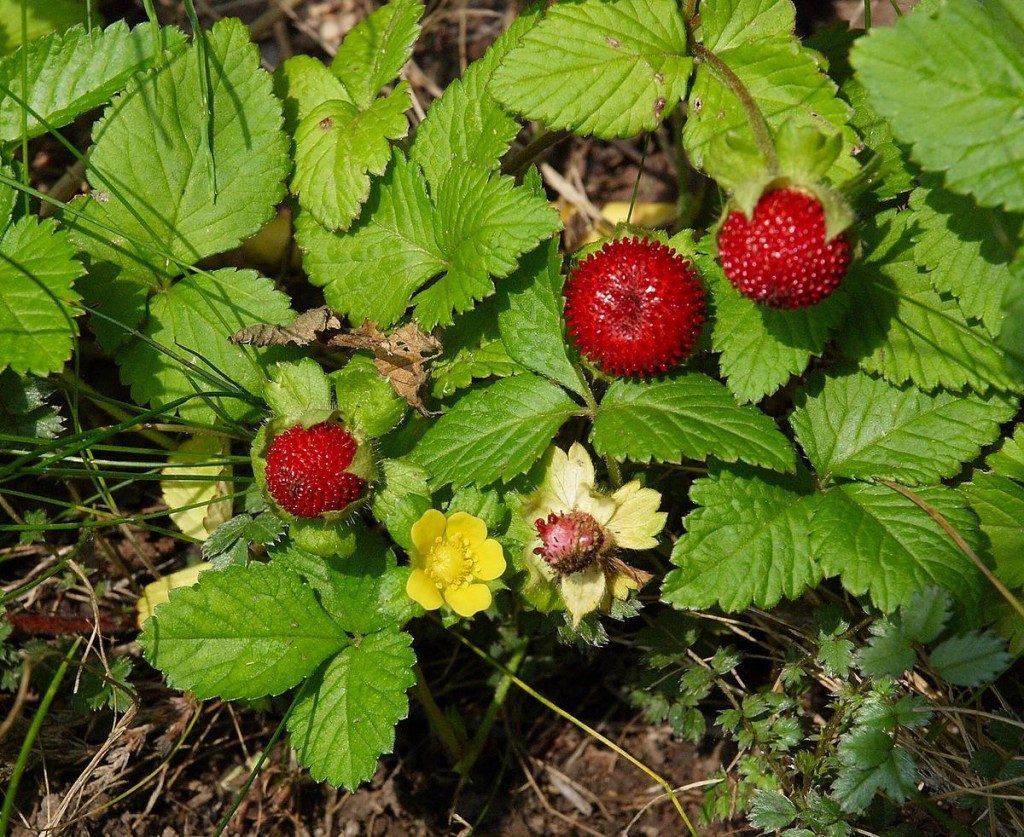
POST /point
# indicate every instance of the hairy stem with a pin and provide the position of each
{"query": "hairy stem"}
(520, 160)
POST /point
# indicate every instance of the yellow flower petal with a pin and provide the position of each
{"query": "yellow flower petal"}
(422, 590)
(490, 560)
(469, 600)
(427, 529)
(583, 592)
(471, 528)
(571, 474)
(636, 521)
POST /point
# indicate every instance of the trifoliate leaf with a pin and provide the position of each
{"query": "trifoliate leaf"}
(747, 542)
(242, 632)
(770, 811)
(927, 613)
(376, 49)
(972, 659)
(881, 543)
(345, 718)
(950, 79)
(303, 83)
(73, 72)
(688, 415)
(401, 498)
(871, 762)
(229, 543)
(25, 409)
(610, 69)
(728, 23)
(338, 147)
(904, 330)
(888, 652)
(494, 433)
(967, 250)
(861, 427)
(169, 199)
(366, 399)
(999, 504)
(191, 321)
(37, 270)
(1008, 461)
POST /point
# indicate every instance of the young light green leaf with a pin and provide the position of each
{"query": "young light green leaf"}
(494, 433)
(888, 652)
(366, 399)
(999, 504)
(401, 498)
(73, 72)
(770, 811)
(25, 409)
(871, 762)
(303, 83)
(881, 543)
(295, 389)
(688, 415)
(488, 359)
(168, 199)
(950, 79)
(338, 147)
(374, 52)
(345, 719)
(192, 321)
(206, 639)
(1008, 461)
(747, 542)
(37, 271)
(967, 250)
(927, 613)
(610, 69)
(972, 659)
(728, 23)
(861, 427)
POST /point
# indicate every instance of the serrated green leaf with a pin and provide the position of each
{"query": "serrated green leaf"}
(870, 762)
(950, 79)
(770, 810)
(206, 639)
(42, 17)
(999, 504)
(488, 360)
(376, 49)
(904, 330)
(967, 250)
(294, 389)
(881, 543)
(192, 320)
(927, 613)
(610, 69)
(747, 542)
(894, 175)
(888, 652)
(688, 415)
(338, 147)
(73, 72)
(972, 659)
(835, 654)
(1008, 461)
(366, 399)
(37, 271)
(1011, 337)
(861, 427)
(345, 719)
(303, 83)
(25, 409)
(401, 498)
(728, 23)
(168, 200)
(494, 433)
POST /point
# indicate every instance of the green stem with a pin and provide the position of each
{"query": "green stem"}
(454, 744)
(520, 160)
(30, 738)
(867, 15)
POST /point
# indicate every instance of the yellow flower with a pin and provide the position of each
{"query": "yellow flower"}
(578, 529)
(450, 557)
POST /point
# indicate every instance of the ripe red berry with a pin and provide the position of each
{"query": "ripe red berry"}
(634, 307)
(306, 469)
(780, 257)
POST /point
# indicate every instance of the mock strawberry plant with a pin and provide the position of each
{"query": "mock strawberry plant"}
(806, 387)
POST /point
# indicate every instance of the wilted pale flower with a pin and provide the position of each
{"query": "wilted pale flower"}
(450, 557)
(578, 530)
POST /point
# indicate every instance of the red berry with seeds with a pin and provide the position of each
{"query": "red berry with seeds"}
(306, 469)
(780, 257)
(635, 307)
(569, 542)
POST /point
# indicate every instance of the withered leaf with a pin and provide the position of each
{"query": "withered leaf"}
(307, 328)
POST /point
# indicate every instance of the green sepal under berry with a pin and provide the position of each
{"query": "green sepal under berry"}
(366, 400)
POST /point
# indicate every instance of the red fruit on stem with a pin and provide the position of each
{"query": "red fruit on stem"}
(569, 542)
(306, 469)
(780, 257)
(635, 307)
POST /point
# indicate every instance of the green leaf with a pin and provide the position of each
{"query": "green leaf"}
(881, 543)
(25, 409)
(338, 147)
(366, 399)
(747, 542)
(488, 360)
(728, 23)
(770, 810)
(346, 717)
(972, 659)
(37, 271)
(1008, 461)
(888, 652)
(950, 79)
(927, 613)
(401, 498)
(835, 654)
(999, 504)
(610, 69)
(295, 389)
(43, 17)
(1011, 338)
(303, 83)
(374, 52)
(168, 200)
(967, 250)
(73, 72)
(861, 427)
(530, 318)
(894, 175)
(870, 762)
(206, 638)
(904, 330)
(494, 433)
(192, 321)
(688, 415)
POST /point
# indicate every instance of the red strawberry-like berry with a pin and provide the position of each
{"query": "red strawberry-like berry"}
(780, 257)
(569, 542)
(306, 469)
(634, 307)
